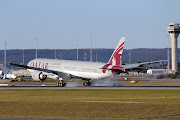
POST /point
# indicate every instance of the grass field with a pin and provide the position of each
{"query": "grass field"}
(90, 104)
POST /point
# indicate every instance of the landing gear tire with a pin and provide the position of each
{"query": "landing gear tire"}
(87, 83)
(61, 84)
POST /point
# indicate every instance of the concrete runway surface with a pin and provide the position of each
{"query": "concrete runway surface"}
(80, 87)
(18, 118)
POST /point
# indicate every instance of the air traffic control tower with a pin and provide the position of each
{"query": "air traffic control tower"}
(174, 31)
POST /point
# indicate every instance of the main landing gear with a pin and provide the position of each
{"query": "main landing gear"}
(61, 83)
(87, 83)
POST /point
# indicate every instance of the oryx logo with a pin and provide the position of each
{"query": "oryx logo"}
(116, 57)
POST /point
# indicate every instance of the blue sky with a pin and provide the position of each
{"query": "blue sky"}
(59, 24)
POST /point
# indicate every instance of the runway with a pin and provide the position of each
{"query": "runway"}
(97, 87)
(19, 118)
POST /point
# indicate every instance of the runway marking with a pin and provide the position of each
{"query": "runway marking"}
(162, 116)
(112, 101)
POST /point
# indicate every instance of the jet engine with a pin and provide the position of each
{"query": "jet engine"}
(38, 76)
(54, 77)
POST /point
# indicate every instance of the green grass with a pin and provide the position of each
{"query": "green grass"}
(90, 104)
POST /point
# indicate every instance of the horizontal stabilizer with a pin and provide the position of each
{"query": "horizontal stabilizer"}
(116, 69)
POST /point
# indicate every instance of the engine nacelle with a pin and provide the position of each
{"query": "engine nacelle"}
(38, 76)
(54, 77)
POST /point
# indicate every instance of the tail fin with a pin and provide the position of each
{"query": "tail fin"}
(115, 59)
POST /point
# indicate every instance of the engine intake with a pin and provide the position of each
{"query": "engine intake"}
(38, 76)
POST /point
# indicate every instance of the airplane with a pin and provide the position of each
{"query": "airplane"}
(41, 68)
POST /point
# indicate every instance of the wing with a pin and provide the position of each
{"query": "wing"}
(33, 68)
(138, 65)
(60, 74)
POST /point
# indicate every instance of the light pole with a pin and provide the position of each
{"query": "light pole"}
(23, 56)
(5, 58)
(61, 55)
(85, 56)
(77, 50)
(55, 53)
(36, 47)
(96, 57)
(129, 58)
(91, 50)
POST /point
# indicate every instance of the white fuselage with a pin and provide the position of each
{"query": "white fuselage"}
(82, 69)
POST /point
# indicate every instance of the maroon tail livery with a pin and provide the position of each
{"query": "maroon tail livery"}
(115, 60)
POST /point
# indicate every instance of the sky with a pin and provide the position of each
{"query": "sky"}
(66, 24)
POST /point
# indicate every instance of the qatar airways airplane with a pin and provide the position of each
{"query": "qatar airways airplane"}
(67, 69)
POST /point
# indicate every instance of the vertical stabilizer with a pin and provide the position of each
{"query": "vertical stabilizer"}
(115, 59)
